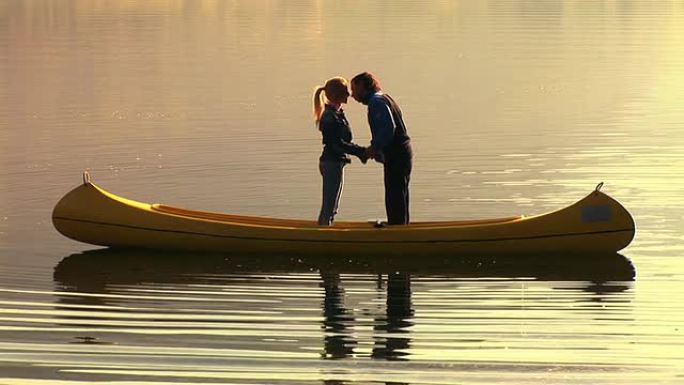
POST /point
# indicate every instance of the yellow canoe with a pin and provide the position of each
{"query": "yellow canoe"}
(88, 213)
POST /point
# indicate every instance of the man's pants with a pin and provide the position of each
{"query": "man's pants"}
(397, 176)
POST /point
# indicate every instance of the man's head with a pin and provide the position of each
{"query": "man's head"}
(363, 85)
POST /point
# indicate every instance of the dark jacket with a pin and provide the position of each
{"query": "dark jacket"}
(337, 136)
(399, 149)
(390, 140)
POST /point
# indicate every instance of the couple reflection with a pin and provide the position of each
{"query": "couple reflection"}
(390, 331)
(343, 322)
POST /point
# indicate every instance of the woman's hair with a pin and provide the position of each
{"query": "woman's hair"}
(335, 89)
(368, 81)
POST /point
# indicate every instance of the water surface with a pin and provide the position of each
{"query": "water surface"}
(514, 107)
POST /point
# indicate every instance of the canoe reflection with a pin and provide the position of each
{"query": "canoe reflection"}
(111, 266)
(102, 271)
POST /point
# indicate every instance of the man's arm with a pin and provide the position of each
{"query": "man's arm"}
(381, 123)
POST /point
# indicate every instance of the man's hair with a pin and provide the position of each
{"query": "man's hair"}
(368, 81)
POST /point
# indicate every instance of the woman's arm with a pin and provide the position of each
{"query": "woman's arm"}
(330, 128)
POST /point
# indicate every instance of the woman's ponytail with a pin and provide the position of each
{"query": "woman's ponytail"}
(318, 104)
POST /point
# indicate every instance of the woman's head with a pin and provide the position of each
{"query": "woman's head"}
(336, 92)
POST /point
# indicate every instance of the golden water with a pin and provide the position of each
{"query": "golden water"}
(514, 107)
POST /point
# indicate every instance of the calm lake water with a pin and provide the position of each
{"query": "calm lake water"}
(514, 107)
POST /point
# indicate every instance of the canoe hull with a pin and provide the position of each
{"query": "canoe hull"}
(595, 224)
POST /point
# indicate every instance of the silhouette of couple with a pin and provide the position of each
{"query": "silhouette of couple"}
(390, 144)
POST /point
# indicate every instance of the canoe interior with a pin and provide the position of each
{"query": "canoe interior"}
(267, 221)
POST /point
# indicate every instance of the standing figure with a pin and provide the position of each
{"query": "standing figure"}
(337, 143)
(390, 144)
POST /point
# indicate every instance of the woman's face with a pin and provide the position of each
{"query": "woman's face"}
(342, 97)
(345, 94)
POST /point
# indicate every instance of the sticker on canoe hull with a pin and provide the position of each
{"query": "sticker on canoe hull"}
(596, 213)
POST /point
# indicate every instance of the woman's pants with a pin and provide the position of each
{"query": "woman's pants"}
(333, 180)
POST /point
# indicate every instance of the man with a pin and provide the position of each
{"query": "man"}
(390, 144)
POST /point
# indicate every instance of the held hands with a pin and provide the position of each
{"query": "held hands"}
(368, 153)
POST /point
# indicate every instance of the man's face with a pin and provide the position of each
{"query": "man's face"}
(357, 91)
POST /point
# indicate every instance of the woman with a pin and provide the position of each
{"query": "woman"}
(337, 143)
